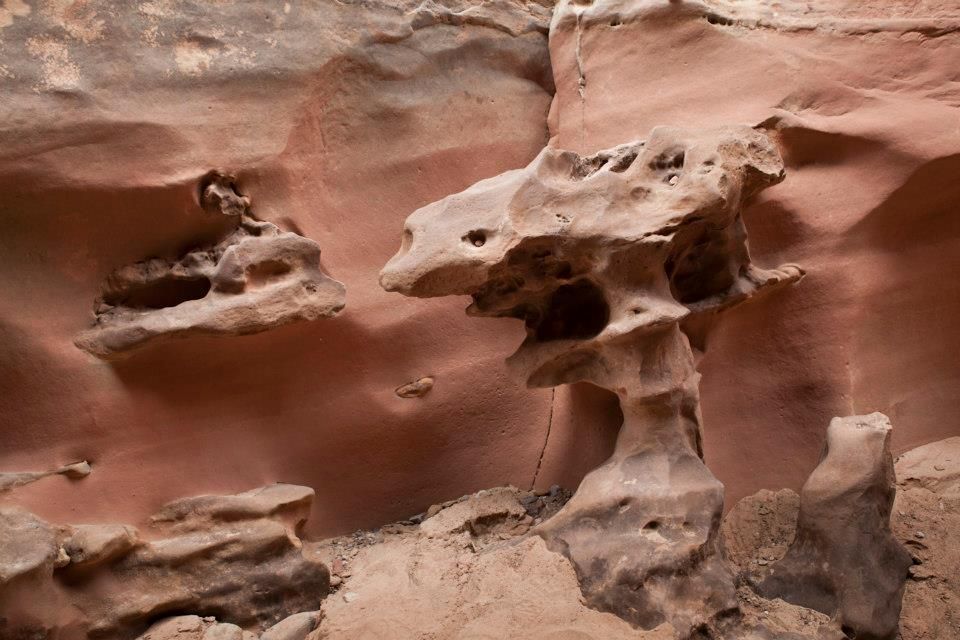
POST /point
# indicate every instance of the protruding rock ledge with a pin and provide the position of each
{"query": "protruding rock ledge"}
(255, 279)
(12, 479)
(238, 556)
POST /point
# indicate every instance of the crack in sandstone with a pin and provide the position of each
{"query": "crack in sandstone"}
(546, 439)
(581, 77)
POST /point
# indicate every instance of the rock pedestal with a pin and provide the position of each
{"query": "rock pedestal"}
(844, 560)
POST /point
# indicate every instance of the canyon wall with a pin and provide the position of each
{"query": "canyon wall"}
(339, 119)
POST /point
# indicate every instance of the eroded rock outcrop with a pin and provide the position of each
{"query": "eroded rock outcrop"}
(602, 257)
(236, 558)
(761, 528)
(255, 279)
(844, 559)
(871, 152)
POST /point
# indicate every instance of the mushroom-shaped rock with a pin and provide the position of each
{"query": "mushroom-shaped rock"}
(844, 560)
(602, 257)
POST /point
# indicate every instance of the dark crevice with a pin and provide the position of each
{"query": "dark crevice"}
(160, 294)
(546, 440)
(701, 269)
(574, 312)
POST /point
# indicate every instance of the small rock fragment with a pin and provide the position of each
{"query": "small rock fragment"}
(295, 627)
(416, 389)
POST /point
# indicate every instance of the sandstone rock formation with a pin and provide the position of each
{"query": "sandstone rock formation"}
(237, 558)
(338, 119)
(844, 559)
(602, 257)
(255, 279)
(472, 569)
(861, 100)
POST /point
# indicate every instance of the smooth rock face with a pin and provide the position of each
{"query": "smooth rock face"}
(603, 257)
(335, 119)
(844, 560)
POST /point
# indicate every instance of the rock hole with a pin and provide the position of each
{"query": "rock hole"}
(622, 164)
(653, 525)
(575, 311)
(161, 294)
(699, 270)
(266, 271)
(848, 631)
(476, 237)
(672, 159)
(585, 167)
(702, 632)
(723, 21)
(616, 21)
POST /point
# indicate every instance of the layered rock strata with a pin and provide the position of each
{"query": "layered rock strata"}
(236, 558)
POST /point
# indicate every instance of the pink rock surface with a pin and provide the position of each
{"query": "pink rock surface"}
(337, 120)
